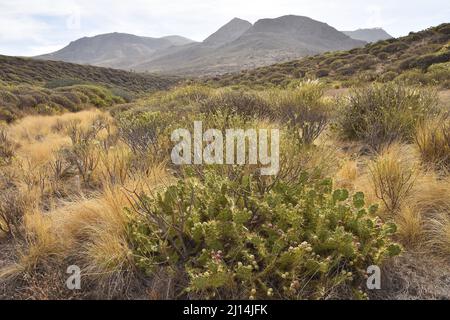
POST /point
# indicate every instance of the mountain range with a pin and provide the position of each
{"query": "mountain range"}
(369, 35)
(235, 46)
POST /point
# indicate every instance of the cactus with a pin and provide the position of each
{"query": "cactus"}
(298, 240)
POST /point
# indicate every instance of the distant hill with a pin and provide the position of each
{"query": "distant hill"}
(229, 32)
(409, 57)
(369, 35)
(178, 40)
(38, 72)
(239, 45)
(235, 46)
(115, 50)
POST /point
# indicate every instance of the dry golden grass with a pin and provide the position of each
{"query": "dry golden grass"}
(70, 221)
(66, 221)
(433, 141)
(417, 199)
(410, 227)
(414, 196)
(347, 174)
(393, 174)
(90, 233)
(430, 200)
(34, 127)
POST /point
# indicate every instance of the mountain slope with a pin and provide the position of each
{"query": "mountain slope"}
(229, 32)
(235, 46)
(266, 42)
(369, 35)
(39, 72)
(116, 50)
(303, 31)
(409, 57)
(178, 40)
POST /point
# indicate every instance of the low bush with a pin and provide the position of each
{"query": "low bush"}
(245, 104)
(7, 147)
(142, 132)
(12, 210)
(388, 76)
(304, 109)
(382, 113)
(220, 238)
(20, 100)
(63, 82)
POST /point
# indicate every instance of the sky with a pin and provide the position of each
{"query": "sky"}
(31, 27)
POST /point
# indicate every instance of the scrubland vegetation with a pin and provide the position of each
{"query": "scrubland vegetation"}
(55, 74)
(364, 180)
(420, 58)
(30, 86)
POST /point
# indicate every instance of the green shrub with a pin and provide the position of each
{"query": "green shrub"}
(337, 64)
(7, 147)
(141, 130)
(439, 74)
(322, 73)
(412, 77)
(424, 61)
(245, 104)
(395, 47)
(26, 101)
(388, 76)
(7, 97)
(126, 95)
(382, 113)
(383, 55)
(7, 114)
(304, 110)
(48, 108)
(63, 101)
(222, 238)
(64, 82)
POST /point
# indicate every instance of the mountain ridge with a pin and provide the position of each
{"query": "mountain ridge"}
(235, 46)
(228, 32)
(113, 50)
(369, 34)
(410, 57)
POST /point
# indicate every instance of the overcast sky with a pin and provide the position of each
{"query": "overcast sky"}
(31, 27)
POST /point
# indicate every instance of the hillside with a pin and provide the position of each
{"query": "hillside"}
(419, 57)
(238, 46)
(235, 46)
(116, 50)
(29, 87)
(229, 32)
(369, 35)
(31, 71)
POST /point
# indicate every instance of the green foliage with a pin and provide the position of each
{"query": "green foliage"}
(382, 113)
(54, 74)
(304, 109)
(233, 102)
(388, 76)
(7, 147)
(84, 154)
(63, 82)
(224, 238)
(18, 101)
(143, 132)
(416, 51)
